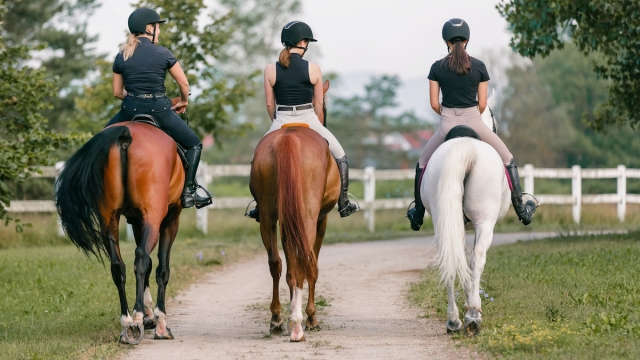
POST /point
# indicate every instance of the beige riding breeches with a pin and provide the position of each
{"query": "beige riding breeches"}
(470, 117)
(309, 117)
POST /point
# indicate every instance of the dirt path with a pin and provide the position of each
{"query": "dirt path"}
(365, 284)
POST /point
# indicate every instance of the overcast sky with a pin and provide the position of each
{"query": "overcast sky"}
(365, 36)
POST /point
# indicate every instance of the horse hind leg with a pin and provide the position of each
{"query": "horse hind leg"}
(453, 317)
(473, 315)
(312, 322)
(149, 320)
(270, 241)
(168, 232)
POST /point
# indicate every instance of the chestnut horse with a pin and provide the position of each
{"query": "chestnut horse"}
(129, 169)
(295, 182)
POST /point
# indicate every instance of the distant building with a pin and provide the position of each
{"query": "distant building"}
(412, 143)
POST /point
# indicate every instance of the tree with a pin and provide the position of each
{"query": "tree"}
(67, 55)
(25, 140)
(607, 27)
(361, 122)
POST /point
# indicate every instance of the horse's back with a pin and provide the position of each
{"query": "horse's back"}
(486, 191)
(154, 170)
(320, 173)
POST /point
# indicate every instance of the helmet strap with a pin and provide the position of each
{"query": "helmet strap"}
(300, 47)
(153, 34)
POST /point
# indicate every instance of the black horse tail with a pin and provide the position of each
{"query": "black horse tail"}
(79, 189)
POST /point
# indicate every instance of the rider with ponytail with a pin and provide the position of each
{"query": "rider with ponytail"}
(139, 71)
(294, 94)
(464, 84)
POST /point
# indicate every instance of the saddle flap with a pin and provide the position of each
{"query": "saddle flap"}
(284, 126)
(461, 131)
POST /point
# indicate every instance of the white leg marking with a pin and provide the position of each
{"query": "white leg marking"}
(125, 320)
(161, 322)
(148, 302)
(296, 315)
(138, 316)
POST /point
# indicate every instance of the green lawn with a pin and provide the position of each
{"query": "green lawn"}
(563, 298)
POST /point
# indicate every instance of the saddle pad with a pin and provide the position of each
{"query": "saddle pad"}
(284, 126)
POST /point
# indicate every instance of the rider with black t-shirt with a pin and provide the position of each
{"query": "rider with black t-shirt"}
(464, 84)
(141, 67)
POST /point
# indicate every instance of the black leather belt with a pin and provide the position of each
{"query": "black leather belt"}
(146, 96)
(291, 108)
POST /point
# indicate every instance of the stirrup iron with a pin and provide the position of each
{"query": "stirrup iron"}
(246, 210)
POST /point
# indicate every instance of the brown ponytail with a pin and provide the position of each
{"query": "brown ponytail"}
(130, 46)
(285, 58)
(458, 60)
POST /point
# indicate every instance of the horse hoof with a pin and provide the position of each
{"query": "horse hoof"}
(312, 325)
(276, 328)
(132, 334)
(472, 327)
(302, 339)
(167, 336)
(149, 323)
(454, 327)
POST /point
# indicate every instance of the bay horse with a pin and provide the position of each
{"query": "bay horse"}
(131, 169)
(465, 177)
(296, 183)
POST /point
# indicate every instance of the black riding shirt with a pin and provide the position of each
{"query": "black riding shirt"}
(459, 91)
(293, 85)
(144, 72)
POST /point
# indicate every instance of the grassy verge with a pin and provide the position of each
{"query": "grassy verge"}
(563, 298)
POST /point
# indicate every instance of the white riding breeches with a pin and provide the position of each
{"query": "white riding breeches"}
(309, 117)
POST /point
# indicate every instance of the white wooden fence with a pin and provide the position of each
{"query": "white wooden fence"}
(207, 174)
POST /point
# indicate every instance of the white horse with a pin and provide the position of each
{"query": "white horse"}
(465, 176)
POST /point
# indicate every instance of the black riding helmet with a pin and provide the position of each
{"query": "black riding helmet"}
(294, 32)
(140, 18)
(456, 30)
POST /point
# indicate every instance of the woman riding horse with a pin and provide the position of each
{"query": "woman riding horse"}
(294, 94)
(464, 83)
(141, 67)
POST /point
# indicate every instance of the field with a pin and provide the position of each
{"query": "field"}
(562, 298)
(55, 303)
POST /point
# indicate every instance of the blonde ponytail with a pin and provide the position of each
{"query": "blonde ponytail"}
(131, 45)
(285, 58)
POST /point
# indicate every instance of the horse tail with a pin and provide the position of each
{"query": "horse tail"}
(79, 188)
(301, 258)
(449, 227)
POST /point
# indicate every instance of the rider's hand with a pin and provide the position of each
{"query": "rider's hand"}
(178, 106)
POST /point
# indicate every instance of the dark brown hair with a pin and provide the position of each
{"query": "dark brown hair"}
(285, 57)
(458, 60)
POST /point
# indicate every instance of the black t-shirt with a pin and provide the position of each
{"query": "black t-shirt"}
(144, 72)
(293, 85)
(459, 91)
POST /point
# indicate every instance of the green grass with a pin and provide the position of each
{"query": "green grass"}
(563, 298)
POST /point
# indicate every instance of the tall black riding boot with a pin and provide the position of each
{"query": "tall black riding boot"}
(345, 207)
(524, 211)
(416, 215)
(189, 196)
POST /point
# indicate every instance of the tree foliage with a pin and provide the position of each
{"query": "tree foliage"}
(608, 27)
(66, 52)
(361, 122)
(25, 140)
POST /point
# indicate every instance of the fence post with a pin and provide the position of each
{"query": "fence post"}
(528, 179)
(59, 166)
(202, 215)
(576, 192)
(622, 192)
(370, 197)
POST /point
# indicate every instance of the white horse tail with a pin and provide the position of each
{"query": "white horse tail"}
(449, 227)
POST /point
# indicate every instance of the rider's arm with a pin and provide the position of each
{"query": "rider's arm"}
(483, 88)
(178, 75)
(434, 95)
(315, 75)
(269, 81)
(118, 86)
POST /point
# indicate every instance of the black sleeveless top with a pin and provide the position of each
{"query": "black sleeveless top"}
(293, 86)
